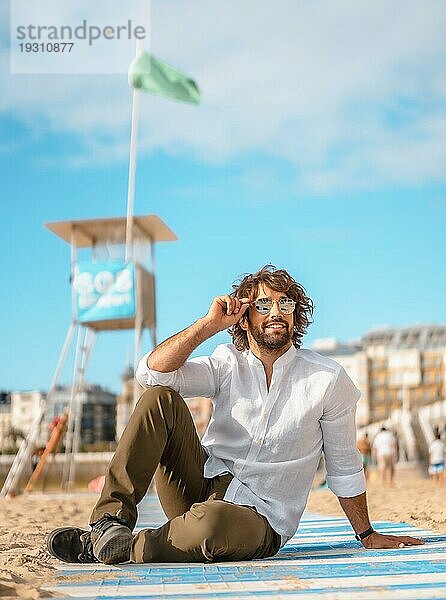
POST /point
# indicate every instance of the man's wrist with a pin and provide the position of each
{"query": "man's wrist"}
(364, 534)
(208, 327)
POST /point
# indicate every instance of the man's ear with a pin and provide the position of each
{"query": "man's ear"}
(244, 322)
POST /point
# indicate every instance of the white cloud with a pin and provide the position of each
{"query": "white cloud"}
(324, 85)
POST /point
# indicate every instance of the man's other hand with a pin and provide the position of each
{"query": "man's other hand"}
(226, 311)
(379, 540)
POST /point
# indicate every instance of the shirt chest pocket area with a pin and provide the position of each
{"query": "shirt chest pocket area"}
(295, 435)
(245, 412)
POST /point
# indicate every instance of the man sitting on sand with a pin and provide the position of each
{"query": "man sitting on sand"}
(240, 493)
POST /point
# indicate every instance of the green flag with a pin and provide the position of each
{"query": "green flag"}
(149, 74)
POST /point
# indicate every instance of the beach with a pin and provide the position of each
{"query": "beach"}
(25, 566)
(24, 563)
(413, 498)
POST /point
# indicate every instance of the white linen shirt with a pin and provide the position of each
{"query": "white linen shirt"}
(271, 440)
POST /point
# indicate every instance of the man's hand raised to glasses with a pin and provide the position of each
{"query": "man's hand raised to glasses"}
(171, 354)
(226, 311)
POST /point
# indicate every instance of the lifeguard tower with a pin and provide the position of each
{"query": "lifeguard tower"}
(113, 288)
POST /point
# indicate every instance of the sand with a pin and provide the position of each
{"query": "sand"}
(25, 566)
(25, 520)
(413, 499)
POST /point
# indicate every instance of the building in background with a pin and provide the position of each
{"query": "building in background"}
(97, 412)
(97, 416)
(407, 368)
(401, 373)
(25, 408)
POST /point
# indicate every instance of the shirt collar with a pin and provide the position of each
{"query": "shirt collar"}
(283, 360)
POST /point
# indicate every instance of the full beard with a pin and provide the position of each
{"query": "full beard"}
(271, 340)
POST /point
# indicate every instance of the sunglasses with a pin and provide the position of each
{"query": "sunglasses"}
(264, 305)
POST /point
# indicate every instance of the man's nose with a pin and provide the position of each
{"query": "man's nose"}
(275, 310)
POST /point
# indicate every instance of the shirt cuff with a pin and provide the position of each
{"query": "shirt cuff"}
(347, 486)
(147, 377)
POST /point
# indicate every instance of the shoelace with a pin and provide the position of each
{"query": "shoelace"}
(105, 520)
(86, 555)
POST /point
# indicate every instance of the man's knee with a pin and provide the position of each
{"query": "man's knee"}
(158, 396)
(158, 402)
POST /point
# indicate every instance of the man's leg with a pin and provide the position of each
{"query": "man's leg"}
(160, 432)
(214, 530)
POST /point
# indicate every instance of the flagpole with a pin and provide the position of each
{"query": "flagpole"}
(132, 168)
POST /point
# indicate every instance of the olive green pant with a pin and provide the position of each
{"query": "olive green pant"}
(160, 439)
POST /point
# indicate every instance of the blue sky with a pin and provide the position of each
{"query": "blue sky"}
(320, 146)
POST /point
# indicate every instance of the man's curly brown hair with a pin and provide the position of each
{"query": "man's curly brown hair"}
(280, 281)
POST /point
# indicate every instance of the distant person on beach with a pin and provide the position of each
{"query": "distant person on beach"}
(240, 491)
(365, 449)
(437, 453)
(385, 453)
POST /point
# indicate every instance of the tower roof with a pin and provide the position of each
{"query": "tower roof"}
(87, 233)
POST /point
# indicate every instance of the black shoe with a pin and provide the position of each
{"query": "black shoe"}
(112, 540)
(71, 544)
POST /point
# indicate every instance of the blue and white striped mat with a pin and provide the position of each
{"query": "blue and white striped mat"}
(322, 560)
